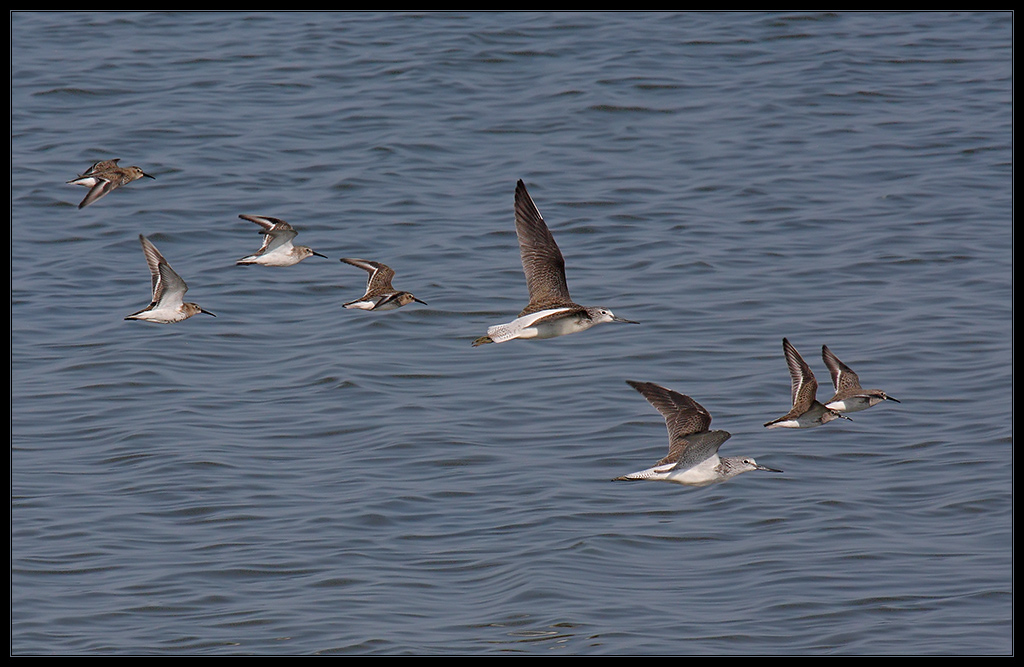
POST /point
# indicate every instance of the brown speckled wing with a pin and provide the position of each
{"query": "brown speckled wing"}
(543, 263)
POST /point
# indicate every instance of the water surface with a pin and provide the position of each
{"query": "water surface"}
(293, 477)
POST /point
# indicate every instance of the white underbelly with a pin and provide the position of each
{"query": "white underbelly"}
(531, 326)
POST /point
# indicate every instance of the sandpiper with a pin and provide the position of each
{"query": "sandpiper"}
(850, 396)
(380, 295)
(551, 311)
(104, 177)
(807, 411)
(277, 249)
(692, 449)
(168, 291)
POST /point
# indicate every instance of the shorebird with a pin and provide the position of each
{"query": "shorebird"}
(380, 295)
(807, 411)
(692, 449)
(277, 249)
(850, 396)
(168, 291)
(104, 177)
(551, 311)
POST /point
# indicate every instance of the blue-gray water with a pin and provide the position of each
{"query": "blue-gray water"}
(294, 477)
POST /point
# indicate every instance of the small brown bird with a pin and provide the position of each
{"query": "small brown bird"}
(807, 412)
(380, 295)
(277, 248)
(104, 177)
(169, 289)
(850, 396)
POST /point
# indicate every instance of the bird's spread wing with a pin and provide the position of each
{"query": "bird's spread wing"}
(543, 263)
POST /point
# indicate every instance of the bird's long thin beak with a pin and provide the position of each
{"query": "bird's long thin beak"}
(319, 255)
(206, 311)
(148, 176)
(419, 300)
(616, 318)
(766, 468)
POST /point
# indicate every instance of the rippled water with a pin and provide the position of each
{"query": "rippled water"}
(294, 477)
